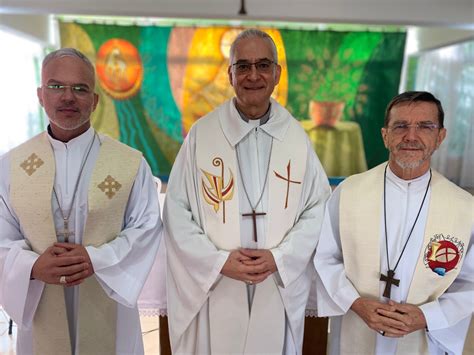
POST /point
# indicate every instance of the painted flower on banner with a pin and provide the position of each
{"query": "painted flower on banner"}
(119, 68)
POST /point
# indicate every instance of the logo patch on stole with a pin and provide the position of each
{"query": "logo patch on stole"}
(443, 253)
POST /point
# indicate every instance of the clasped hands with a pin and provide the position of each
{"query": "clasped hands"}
(64, 264)
(249, 265)
(391, 319)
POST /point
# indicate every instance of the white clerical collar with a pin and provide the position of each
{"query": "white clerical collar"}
(79, 142)
(257, 121)
(235, 128)
(415, 184)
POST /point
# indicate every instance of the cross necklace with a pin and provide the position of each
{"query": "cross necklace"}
(63, 236)
(390, 279)
(254, 214)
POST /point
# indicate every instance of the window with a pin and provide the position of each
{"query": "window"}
(448, 73)
(21, 116)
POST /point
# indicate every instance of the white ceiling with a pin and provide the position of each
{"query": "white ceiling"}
(441, 13)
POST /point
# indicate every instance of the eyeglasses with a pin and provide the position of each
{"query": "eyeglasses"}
(421, 128)
(59, 89)
(262, 66)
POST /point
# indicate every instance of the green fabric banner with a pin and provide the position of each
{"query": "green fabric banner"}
(155, 82)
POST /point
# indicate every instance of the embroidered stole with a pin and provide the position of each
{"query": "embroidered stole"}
(232, 328)
(32, 179)
(450, 215)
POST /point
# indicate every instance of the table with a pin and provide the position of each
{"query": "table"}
(340, 148)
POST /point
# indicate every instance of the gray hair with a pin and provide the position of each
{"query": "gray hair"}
(68, 52)
(253, 33)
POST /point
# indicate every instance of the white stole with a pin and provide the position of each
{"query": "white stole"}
(450, 217)
(232, 328)
(32, 172)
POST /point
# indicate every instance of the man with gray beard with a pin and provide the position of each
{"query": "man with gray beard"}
(395, 260)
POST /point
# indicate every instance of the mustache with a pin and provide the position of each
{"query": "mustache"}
(412, 145)
(68, 107)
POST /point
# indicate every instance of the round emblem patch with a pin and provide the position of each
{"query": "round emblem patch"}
(442, 254)
(119, 68)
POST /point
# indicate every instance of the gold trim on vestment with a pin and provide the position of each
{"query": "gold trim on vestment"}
(31, 164)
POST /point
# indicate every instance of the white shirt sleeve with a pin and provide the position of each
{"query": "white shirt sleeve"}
(335, 293)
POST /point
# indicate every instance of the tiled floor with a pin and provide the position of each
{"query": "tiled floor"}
(149, 329)
(151, 338)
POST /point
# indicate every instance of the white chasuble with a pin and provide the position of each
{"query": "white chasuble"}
(217, 160)
(445, 241)
(205, 203)
(32, 178)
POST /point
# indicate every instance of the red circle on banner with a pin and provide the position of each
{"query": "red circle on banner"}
(119, 68)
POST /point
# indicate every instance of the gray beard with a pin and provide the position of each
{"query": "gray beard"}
(409, 165)
(68, 128)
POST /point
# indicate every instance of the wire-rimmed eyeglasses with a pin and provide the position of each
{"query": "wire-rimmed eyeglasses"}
(420, 127)
(78, 90)
(245, 67)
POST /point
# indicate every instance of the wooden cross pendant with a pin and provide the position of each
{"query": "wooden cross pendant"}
(63, 236)
(390, 280)
(254, 215)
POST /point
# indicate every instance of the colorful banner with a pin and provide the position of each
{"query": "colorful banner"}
(155, 82)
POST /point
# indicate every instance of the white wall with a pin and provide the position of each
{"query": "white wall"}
(436, 37)
(33, 26)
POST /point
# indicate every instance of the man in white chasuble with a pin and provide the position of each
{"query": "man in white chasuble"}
(79, 225)
(395, 261)
(243, 210)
